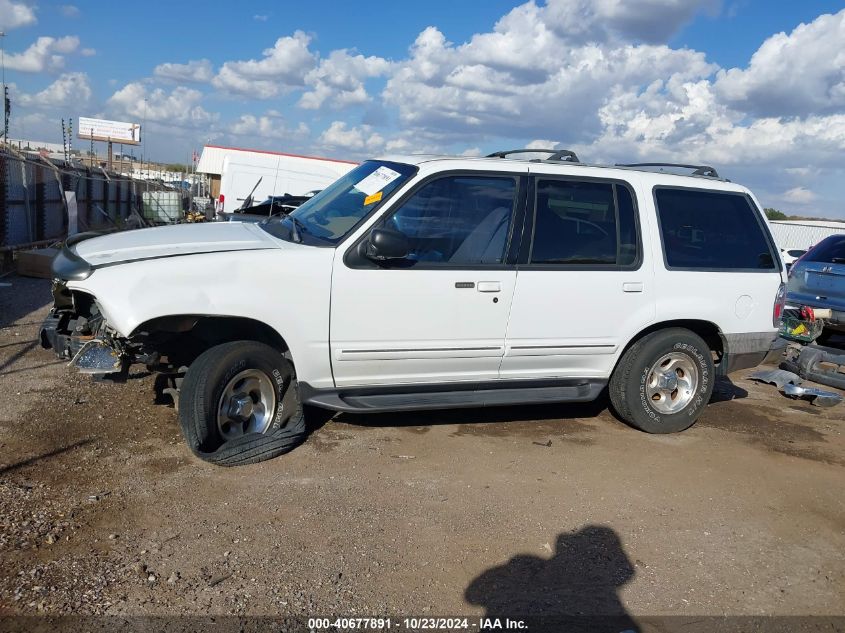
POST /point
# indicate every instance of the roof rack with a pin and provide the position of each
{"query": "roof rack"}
(699, 170)
(554, 154)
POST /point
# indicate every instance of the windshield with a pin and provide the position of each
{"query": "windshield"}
(330, 215)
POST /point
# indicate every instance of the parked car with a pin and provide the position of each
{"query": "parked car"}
(790, 255)
(418, 282)
(817, 280)
(273, 205)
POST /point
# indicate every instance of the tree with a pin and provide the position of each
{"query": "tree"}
(774, 214)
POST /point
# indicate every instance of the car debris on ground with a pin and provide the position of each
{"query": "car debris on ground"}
(790, 384)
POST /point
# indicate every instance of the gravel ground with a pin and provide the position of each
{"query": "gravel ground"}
(550, 509)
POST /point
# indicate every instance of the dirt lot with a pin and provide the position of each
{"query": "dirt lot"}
(558, 509)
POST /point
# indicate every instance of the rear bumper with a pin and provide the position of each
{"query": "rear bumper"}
(749, 349)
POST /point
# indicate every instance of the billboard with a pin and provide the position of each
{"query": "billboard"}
(116, 131)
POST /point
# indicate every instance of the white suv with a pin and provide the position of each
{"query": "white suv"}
(423, 282)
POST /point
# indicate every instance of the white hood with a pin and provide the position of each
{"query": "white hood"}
(167, 241)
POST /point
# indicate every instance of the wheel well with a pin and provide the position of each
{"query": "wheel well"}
(705, 329)
(184, 337)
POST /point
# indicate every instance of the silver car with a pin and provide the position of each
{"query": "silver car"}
(818, 280)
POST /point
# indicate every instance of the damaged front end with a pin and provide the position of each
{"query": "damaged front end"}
(76, 331)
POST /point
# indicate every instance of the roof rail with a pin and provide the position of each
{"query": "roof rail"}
(699, 170)
(554, 154)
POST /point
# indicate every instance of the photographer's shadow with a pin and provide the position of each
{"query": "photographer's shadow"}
(576, 589)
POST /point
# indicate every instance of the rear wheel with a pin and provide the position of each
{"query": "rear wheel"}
(663, 381)
(239, 404)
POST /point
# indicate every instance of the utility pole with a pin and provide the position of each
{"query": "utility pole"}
(7, 104)
(144, 141)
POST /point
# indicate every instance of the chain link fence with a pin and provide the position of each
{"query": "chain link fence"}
(34, 208)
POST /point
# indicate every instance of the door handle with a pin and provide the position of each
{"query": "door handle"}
(632, 286)
(488, 286)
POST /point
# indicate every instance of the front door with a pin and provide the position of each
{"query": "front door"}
(439, 314)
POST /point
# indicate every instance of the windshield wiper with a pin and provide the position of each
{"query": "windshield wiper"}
(296, 226)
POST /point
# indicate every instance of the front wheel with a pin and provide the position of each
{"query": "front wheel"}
(239, 404)
(663, 381)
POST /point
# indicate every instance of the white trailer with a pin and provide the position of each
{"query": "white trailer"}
(802, 234)
(260, 175)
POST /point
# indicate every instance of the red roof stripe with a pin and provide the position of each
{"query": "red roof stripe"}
(264, 151)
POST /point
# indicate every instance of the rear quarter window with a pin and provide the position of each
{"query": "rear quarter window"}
(712, 230)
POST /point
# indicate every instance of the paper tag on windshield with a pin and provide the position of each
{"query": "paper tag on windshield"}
(377, 180)
(373, 198)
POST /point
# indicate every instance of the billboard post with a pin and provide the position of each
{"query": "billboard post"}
(109, 131)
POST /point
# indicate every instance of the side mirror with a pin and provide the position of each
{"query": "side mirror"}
(384, 244)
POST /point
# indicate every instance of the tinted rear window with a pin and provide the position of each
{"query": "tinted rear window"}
(584, 223)
(712, 230)
(830, 250)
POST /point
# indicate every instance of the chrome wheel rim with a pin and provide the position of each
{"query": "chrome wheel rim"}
(246, 405)
(672, 382)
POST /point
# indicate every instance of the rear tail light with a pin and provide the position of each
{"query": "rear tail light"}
(780, 300)
(220, 201)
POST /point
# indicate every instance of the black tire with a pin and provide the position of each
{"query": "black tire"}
(201, 392)
(628, 382)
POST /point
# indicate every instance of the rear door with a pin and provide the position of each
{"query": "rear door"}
(584, 283)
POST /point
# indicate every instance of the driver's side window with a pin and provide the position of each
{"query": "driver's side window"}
(457, 220)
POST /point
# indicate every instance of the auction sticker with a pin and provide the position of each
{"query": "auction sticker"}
(377, 180)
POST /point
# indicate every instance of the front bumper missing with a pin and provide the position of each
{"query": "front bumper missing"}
(97, 357)
(85, 341)
(56, 335)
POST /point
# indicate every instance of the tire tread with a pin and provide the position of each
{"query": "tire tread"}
(195, 412)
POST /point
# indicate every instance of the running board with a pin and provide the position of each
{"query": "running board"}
(422, 397)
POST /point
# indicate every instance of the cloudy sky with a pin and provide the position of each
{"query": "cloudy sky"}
(753, 87)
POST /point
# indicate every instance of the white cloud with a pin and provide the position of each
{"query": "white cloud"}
(795, 74)
(14, 15)
(339, 80)
(269, 125)
(197, 71)
(653, 21)
(542, 144)
(524, 79)
(88, 52)
(180, 107)
(353, 139)
(70, 89)
(281, 69)
(260, 18)
(687, 122)
(45, 54)
(799, 195)
(69, 10)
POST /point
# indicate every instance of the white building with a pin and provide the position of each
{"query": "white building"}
(802, 234)
(282, 172)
